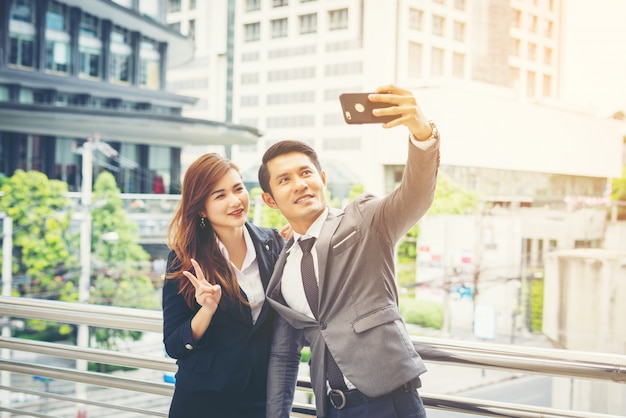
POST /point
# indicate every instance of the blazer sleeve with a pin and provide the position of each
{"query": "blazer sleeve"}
(282, 373)
(177, 336)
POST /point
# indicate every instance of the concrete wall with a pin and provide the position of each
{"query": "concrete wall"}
(585, 309)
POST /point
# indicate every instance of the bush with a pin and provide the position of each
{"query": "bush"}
(422, 313)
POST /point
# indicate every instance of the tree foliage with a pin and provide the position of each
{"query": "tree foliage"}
(44, 265)
(121, 265)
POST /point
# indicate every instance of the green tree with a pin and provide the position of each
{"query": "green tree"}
(43, 264)
(618, 193)
(121, 265)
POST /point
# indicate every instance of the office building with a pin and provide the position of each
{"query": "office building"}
(72, 70)
(488, 71)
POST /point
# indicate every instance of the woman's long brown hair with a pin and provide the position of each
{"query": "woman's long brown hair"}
(189, 240)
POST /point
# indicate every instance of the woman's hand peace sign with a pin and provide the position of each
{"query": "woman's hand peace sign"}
(207, 295)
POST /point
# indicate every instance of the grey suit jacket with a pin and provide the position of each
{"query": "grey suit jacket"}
(359, 319)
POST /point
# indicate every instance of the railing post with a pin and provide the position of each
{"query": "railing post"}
(7, 279)
(82, 338)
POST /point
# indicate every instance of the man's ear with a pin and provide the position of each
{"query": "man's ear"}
(269, 200)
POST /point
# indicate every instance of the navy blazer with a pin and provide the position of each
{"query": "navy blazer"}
(233, 350)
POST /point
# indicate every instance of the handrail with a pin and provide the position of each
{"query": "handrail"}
(547, 361)
(534, 360)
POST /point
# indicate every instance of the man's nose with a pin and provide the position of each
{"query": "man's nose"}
(300, 184)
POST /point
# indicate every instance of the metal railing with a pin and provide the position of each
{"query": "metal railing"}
(146, 379)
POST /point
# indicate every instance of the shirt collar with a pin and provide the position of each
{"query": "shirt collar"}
(250, 251)
(315, 229)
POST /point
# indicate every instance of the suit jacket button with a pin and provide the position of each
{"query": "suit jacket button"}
(189, 346)
(323, 325)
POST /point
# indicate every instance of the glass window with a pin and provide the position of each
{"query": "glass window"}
(174, 26)
(121, 62)
(21, 50)
(90, 47)
(438, 25)
(280, 3)
(459, 31)
(57, 17)
(160, 165)
(252, 31)
(58, 57)
(338, 19)
(279, 28)
(415, 19)
(173, 6)
(22, 34)
(149, 64)
(192, 4)
(415, 59)
(66, 163)
(89, 26)
(23, 11)
(130, 168)
(253, 5)
(308, 23)
(458, 65)
(437, 61)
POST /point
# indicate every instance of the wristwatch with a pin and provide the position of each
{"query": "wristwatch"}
(433, 135)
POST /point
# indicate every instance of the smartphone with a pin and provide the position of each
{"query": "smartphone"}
(357, 109)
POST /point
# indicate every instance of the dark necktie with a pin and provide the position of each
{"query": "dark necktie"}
(311, 290)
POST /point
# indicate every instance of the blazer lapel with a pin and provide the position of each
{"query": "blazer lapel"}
(322, 246)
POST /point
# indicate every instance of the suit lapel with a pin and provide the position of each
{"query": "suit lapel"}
(322, 246)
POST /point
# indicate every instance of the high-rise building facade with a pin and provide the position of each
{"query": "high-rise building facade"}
(487, 71)
(72, 70)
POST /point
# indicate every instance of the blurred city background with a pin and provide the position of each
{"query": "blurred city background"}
(103, 105)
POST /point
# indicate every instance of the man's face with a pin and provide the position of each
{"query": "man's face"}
(298, 189)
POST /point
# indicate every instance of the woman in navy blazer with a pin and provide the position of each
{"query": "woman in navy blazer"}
(216, 322)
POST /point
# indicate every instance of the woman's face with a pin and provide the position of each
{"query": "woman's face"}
(228, 203)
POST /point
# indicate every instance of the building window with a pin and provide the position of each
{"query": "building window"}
(416, 19)
(192, 4)
(459, 31)
(280, 3)
(173, 6)
(459, 4)
(121, 56)
(308, 23)
(547, 86)
(338, 19)
(175, 26)
(23, 11)
(458, 65)
(532, 52)
(57, 38)
(252, 32)
(415, 60)
(22, 34)
(548, 30)
(279, 28)
(57, 17)
(547, 56)
(436, 62)
(21, 53)
(90, 47)
(149, 64)
(253, 5)
(438, 25)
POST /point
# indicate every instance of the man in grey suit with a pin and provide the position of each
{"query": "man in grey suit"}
(353, 321)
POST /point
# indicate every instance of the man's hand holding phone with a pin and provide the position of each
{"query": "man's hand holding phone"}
(389, 105)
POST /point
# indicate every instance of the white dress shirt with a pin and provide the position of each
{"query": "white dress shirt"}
(249, 277)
